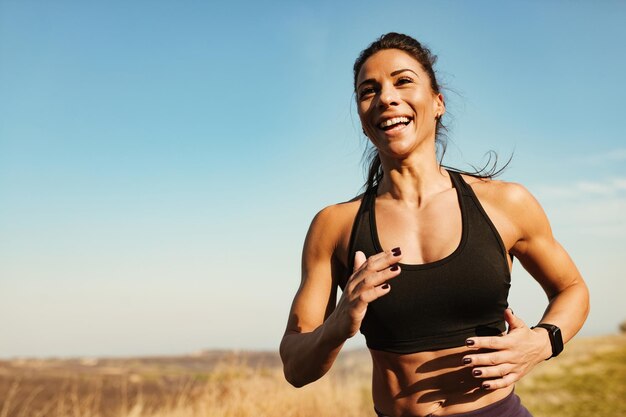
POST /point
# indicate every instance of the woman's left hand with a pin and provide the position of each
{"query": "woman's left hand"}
(512, 356)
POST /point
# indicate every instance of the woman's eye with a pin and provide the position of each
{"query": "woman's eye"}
(365, 92)
(404, 80)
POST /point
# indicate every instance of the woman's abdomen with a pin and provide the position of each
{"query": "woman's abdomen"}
(424, 383)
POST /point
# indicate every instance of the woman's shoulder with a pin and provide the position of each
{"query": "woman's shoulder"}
(510, 200)
(335, 217)
(332, 225)
(339, 211)
(502, 193)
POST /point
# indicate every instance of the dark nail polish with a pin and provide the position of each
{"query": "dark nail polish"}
(469, 342)
(477, 372)
(485, 386)
(394, 268)
(396, 251)
(467, 361)
(385, 286)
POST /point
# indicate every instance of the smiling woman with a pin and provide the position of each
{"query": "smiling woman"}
(433, 309)
(388, 77)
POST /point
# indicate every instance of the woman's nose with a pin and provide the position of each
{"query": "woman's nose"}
(388, 97)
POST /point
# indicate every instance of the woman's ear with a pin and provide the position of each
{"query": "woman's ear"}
(439, 105)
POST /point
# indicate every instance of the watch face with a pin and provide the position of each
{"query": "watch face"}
(558, 337)
(556, 340)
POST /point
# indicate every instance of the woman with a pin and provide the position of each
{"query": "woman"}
(423, 258)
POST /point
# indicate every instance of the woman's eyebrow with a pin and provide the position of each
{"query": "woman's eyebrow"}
(396, 72)
(393, 74)
(368, 81)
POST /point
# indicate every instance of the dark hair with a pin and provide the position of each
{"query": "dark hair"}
(427, 60)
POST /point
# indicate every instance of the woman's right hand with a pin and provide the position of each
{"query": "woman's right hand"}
(367, 283)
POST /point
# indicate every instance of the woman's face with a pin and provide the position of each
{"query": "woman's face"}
(397, 107)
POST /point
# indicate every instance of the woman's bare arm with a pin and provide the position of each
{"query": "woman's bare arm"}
(568, 298)
(309, 347)
(316, 328)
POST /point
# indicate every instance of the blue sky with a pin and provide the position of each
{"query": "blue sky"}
(160, 161)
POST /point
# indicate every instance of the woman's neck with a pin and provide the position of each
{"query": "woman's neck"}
(414, 179)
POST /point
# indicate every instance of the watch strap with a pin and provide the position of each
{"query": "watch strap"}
(556, 339)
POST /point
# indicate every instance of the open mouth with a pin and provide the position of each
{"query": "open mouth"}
(394, 123)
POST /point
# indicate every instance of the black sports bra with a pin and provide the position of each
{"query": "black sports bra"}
(438, 305)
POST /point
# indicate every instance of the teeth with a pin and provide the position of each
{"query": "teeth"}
(393, 121)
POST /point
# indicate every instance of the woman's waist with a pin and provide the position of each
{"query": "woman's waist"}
(424, 383)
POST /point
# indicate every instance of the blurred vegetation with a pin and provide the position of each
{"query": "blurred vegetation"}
(588, 379)
(592, 386)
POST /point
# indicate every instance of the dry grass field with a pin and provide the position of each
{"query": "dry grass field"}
(589, 378)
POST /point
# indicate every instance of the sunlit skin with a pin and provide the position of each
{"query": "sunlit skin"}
(417, 210)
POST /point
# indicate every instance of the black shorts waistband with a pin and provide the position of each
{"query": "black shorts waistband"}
(509, 406)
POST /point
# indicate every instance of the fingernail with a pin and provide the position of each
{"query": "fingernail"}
(469, 342)
(396, 251)
(385, 286)
(477, 372)
(394, 268)
(485, 386)
(467, 361)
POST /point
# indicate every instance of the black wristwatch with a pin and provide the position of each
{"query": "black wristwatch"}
(556, 340)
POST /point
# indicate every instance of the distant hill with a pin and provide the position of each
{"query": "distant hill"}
(200, 361)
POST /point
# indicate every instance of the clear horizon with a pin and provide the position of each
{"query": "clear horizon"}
(160, 162)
